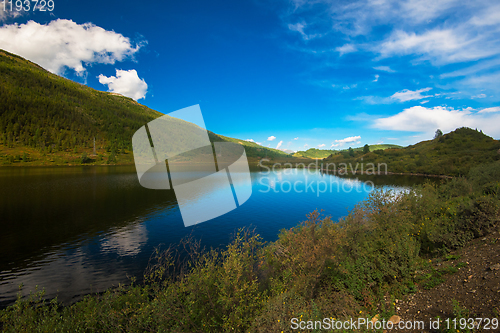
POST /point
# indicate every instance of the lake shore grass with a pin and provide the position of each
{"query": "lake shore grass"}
(354, 267)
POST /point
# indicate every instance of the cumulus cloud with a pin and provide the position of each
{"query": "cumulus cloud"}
(321, 145)
(376, 78)
(249, 140)
(126, 83)
(340, 143)
(296, 138)
(271, 138)
(408, 95)
(64, 44)
(422, 119)
(490, 110)
(279, 144)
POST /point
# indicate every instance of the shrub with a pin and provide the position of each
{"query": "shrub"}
(84, 158)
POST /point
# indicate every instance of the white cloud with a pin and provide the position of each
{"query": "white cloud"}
(347, 48)
(423, 31)
(479, 96)
(487, 17)
(249, 140)
(384, 69)
(279, 144)
(376, 77)
(64, 43)
(9, 14)
(126, 83)
(373, 100)
(321, 145)
(440, 46)
(490, 110)
(306, 145)
(259, 143)
(296, 138)
(408, 95)
(422, 119)
(271, 138)
(299, 27)
(350, 86)
(340, 143)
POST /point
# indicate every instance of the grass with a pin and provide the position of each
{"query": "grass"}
(352, 267)
(435, 277)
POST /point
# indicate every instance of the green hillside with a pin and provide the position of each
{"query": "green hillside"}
(314, 153)
(49, 120)
(378, 147)
(453, 154)
(324, 153)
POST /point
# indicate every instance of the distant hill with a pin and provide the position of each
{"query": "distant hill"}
(452, 154)
(324, 153)
(46, 119)
(288, 151)
(314, 153)
(376, 147)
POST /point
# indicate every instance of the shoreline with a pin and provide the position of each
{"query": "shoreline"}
(337, 172)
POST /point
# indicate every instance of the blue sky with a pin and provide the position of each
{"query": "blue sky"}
(295, 74)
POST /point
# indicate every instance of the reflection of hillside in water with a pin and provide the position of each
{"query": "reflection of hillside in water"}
(392, 180)
(76, 272)
(47, 210)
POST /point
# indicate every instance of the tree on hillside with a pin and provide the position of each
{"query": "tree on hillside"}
(366, 149)
(438, 134)
(351, 152)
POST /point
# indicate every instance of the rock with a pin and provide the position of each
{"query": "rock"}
(395, 319)
(495, 267)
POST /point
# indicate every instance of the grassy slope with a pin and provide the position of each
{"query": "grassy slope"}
(49, 120)
(324, 153)
(452, 154)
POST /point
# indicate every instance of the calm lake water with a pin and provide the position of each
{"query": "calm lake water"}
(76, 230)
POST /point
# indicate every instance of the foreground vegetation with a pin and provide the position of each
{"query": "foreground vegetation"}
(322, 268)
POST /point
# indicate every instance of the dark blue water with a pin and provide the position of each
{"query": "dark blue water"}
(84, 229)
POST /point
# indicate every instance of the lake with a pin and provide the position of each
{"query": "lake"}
(76, 230)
